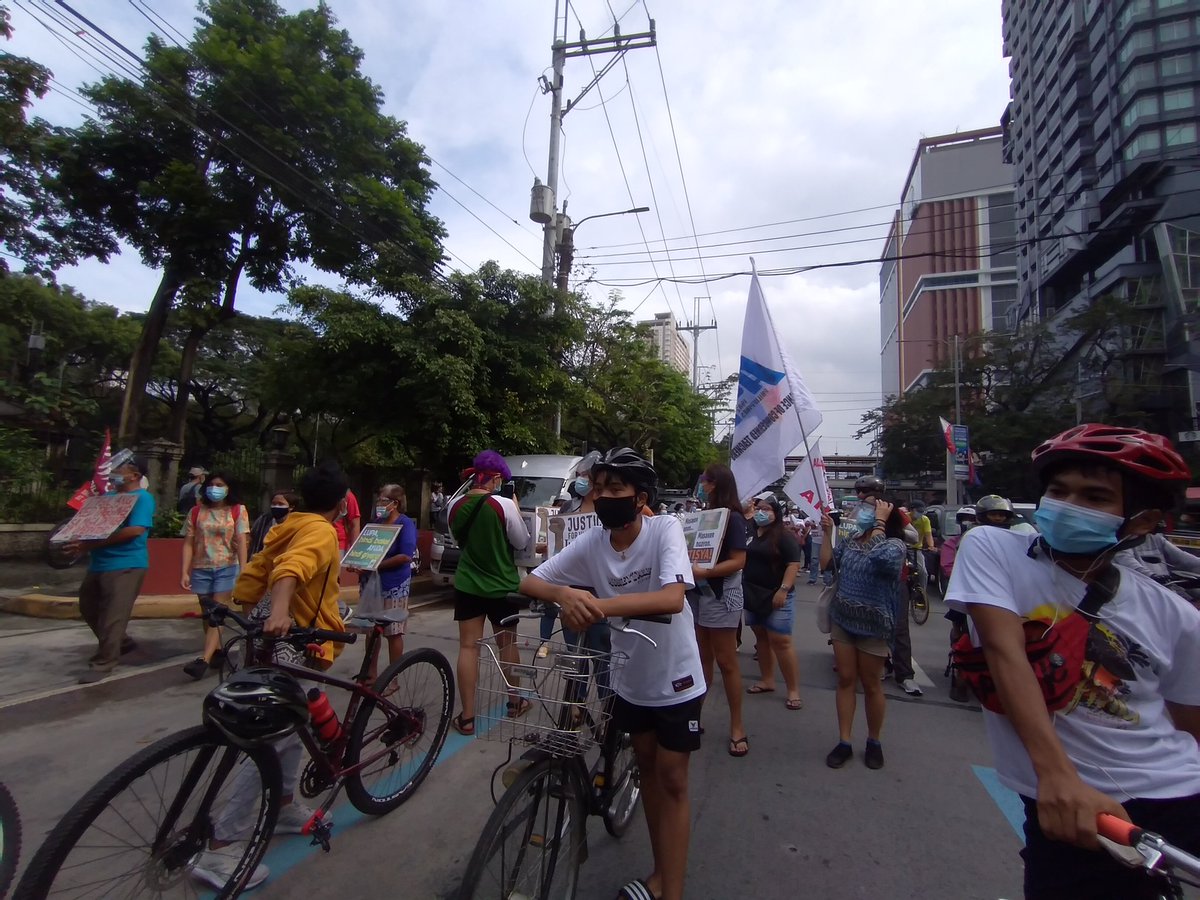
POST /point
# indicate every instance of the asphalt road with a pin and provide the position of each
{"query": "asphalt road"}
(777, 823)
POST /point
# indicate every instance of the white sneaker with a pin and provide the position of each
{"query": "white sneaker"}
(294, 816)
(216, 867)
(911, 688)
(543, 651)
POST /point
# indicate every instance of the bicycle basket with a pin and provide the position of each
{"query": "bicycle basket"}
(568, 691)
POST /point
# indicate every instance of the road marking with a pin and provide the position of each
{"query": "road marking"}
(1008, 800)
(919, 675)
(130, 672)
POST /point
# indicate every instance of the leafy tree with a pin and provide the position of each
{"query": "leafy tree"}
(259, 146)
(36, 226)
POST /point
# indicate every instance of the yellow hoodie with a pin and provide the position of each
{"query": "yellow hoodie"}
(304, 546)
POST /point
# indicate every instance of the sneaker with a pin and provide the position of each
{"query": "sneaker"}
(812, 581)
(543, 651)
(911, 688)
(216, 867)
(873, 756)
(294, 816)
(197, 668)
(839, 755)
(128, 645)
(91, 676)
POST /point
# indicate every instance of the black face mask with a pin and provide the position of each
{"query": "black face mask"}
(616, 512)
(279, 513)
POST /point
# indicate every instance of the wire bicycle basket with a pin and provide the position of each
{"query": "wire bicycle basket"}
(568, 691)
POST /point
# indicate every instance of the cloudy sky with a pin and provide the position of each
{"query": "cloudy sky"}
(795, 122)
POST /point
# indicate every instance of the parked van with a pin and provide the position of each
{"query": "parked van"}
(539, 480)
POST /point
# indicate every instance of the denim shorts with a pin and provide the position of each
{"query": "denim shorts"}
(779, 621)
(214, 581)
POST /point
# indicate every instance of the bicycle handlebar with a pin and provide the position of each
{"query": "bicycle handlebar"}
(1117, 830)
(216, 614)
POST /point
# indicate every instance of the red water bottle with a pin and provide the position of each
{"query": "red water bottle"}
(324, 719)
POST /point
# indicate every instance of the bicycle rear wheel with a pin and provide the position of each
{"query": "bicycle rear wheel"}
(406, 737)
(533, 843)
(622, 783)
(10, 839)
(918, 605)
(139, 831)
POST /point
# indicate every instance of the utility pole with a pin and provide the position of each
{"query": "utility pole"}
(544, 201)
(694, 328)
(957, 386)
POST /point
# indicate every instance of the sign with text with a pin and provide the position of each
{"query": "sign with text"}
(564, 529)
(372, 546)
(97, 518)
(537, 524)
(704, 531)
(962, 453)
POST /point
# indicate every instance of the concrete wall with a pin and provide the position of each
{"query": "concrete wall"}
(23, 541)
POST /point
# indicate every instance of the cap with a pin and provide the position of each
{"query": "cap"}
(197, 470)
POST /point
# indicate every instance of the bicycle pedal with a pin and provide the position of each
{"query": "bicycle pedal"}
(321, 833)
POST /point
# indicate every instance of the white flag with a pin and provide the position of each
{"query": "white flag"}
(775, 410)
(808, 488)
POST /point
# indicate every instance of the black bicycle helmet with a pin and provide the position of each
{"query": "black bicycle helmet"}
(256, 706)
(632, 467)
(869, 484)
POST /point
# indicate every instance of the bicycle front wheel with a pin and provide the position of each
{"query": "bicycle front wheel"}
(532, 845)
(10, 839)
(400, 742)
(142, 829)
(622, 783)
(919, 606)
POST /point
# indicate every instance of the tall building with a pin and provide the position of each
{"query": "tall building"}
(948, 265)
(668, 343)
(1103, 134)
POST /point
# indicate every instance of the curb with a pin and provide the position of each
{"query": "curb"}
(165, 606)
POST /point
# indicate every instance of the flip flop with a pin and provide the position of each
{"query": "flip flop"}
(518, 708)
(794, 703)
(759, 689)
(636, 890)
(463, 726)
(741, 742)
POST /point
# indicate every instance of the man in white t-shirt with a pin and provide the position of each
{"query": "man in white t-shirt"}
(1119, 731)
(639, 566)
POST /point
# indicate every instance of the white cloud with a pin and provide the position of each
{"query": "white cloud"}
(783, 110)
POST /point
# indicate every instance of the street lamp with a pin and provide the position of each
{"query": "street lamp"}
(566, 244)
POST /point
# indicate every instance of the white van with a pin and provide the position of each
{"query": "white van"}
(539, 480)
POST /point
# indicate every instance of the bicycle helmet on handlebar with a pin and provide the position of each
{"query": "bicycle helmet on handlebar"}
(632, 468)
(256, 706)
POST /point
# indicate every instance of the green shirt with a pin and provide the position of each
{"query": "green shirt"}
(486, 567)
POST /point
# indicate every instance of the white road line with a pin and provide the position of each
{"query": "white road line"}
(117, 676)
(920, 677)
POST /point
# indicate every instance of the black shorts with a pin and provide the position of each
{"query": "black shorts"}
(677, 727)
(472, 606)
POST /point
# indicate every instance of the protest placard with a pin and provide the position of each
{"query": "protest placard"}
(98, 518)
(564, 529)
(537, 524)
(371, 547)
(704, 531)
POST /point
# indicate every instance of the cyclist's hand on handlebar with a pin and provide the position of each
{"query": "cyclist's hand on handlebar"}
(579, 608)
(277, 624)
(1067, 809)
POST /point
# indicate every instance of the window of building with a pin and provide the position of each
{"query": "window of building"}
(1139, 75)
(1178, 135)
(1180, 98)
(1180, 64)
(1177, 30)
(1139, 108)
(1170, 4)
(1145, 142)
(1004, 307)
(1137, 42)
(1132, 9)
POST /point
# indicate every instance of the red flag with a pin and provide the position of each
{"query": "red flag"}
(948, 434)
(99, 483)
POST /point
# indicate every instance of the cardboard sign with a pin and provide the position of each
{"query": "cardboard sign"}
(564, 529)
(704, 531)
(371, 547)
(97, 518)
(537, 524)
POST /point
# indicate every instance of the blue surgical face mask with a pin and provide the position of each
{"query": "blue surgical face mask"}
(865, 519)
(701, 493)
(583, 486)
(216, 493)
(1068, 528)
(381, 512)
(762, 518)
